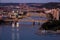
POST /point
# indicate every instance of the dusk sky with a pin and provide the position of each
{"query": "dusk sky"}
(28, 1)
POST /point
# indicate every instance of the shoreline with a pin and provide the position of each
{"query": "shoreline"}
(48, 32)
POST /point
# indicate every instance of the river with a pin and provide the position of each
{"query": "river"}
(24, 32)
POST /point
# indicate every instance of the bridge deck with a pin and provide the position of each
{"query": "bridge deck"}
(22, 20)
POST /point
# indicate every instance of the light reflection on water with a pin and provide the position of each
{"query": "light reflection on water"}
(15, 34)
(24, 32)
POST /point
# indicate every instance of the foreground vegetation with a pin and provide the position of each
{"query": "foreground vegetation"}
(51, 25)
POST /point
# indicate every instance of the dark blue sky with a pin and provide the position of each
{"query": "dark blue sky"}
(28, 1)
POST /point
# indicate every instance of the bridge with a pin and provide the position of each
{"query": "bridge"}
(27, 18)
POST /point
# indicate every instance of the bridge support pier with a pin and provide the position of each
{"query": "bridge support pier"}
(38, 23)
(33, 23)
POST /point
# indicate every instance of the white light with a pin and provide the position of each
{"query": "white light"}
(17, 24)
(13, 25)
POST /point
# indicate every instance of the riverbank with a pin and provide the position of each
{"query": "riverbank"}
(41, 32)
(50, 27)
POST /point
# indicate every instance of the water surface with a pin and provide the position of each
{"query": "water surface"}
(24, 32)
